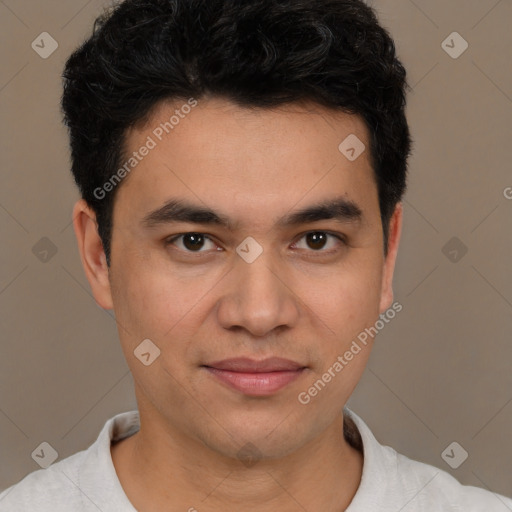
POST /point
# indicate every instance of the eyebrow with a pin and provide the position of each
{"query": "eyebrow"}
(175, 210)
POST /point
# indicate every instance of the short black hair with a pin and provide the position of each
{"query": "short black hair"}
(255, 53)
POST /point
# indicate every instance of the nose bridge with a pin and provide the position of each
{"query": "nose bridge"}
(260, 280)
(258, 300)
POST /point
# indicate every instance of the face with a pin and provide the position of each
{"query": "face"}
(248, 248)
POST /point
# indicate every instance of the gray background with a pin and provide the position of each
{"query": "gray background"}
(440, 371)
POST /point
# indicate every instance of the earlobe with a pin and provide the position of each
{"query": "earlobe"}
(395, 230)
(92, 254)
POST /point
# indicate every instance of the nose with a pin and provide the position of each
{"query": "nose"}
(258, 299)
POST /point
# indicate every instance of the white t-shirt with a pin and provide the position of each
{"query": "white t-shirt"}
(87, 481)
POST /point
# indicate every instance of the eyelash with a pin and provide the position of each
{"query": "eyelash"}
(340, 238)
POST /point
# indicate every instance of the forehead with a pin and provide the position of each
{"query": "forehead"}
(250, 160)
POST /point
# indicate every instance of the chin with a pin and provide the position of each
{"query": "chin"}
(249, 437)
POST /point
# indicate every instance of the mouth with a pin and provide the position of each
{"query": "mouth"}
(256, 378)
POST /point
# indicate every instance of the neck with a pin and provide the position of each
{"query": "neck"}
(182, 474)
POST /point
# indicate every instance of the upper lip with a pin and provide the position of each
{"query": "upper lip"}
(247, 365)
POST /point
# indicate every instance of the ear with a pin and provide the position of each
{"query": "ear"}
(92, 254)
(395, 230)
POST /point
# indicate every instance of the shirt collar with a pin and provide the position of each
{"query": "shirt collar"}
(379, 464)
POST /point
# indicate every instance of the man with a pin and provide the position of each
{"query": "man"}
(241, 166)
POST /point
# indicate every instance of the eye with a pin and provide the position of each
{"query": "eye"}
(320, 241)
(192, 242)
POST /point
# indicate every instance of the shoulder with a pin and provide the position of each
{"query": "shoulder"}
(392, 481)
(427, 486)
(42, 486)
(82, 482)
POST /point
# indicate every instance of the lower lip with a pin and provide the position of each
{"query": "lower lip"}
(256, 384)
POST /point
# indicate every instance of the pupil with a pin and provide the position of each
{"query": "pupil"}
(316, 240)
(193, 241)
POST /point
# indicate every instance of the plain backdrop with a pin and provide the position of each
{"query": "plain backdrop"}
(440, 371)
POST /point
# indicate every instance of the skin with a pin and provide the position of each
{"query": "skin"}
(293, 301)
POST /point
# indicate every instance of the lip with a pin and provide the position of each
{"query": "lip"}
(256, 378)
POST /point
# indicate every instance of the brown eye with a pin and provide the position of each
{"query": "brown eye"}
(320, 241)
(193, 241)
(316, 240)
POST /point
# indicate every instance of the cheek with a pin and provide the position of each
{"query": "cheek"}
(150, 296)
(169, 307)
(151, 303)
(346, 299)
